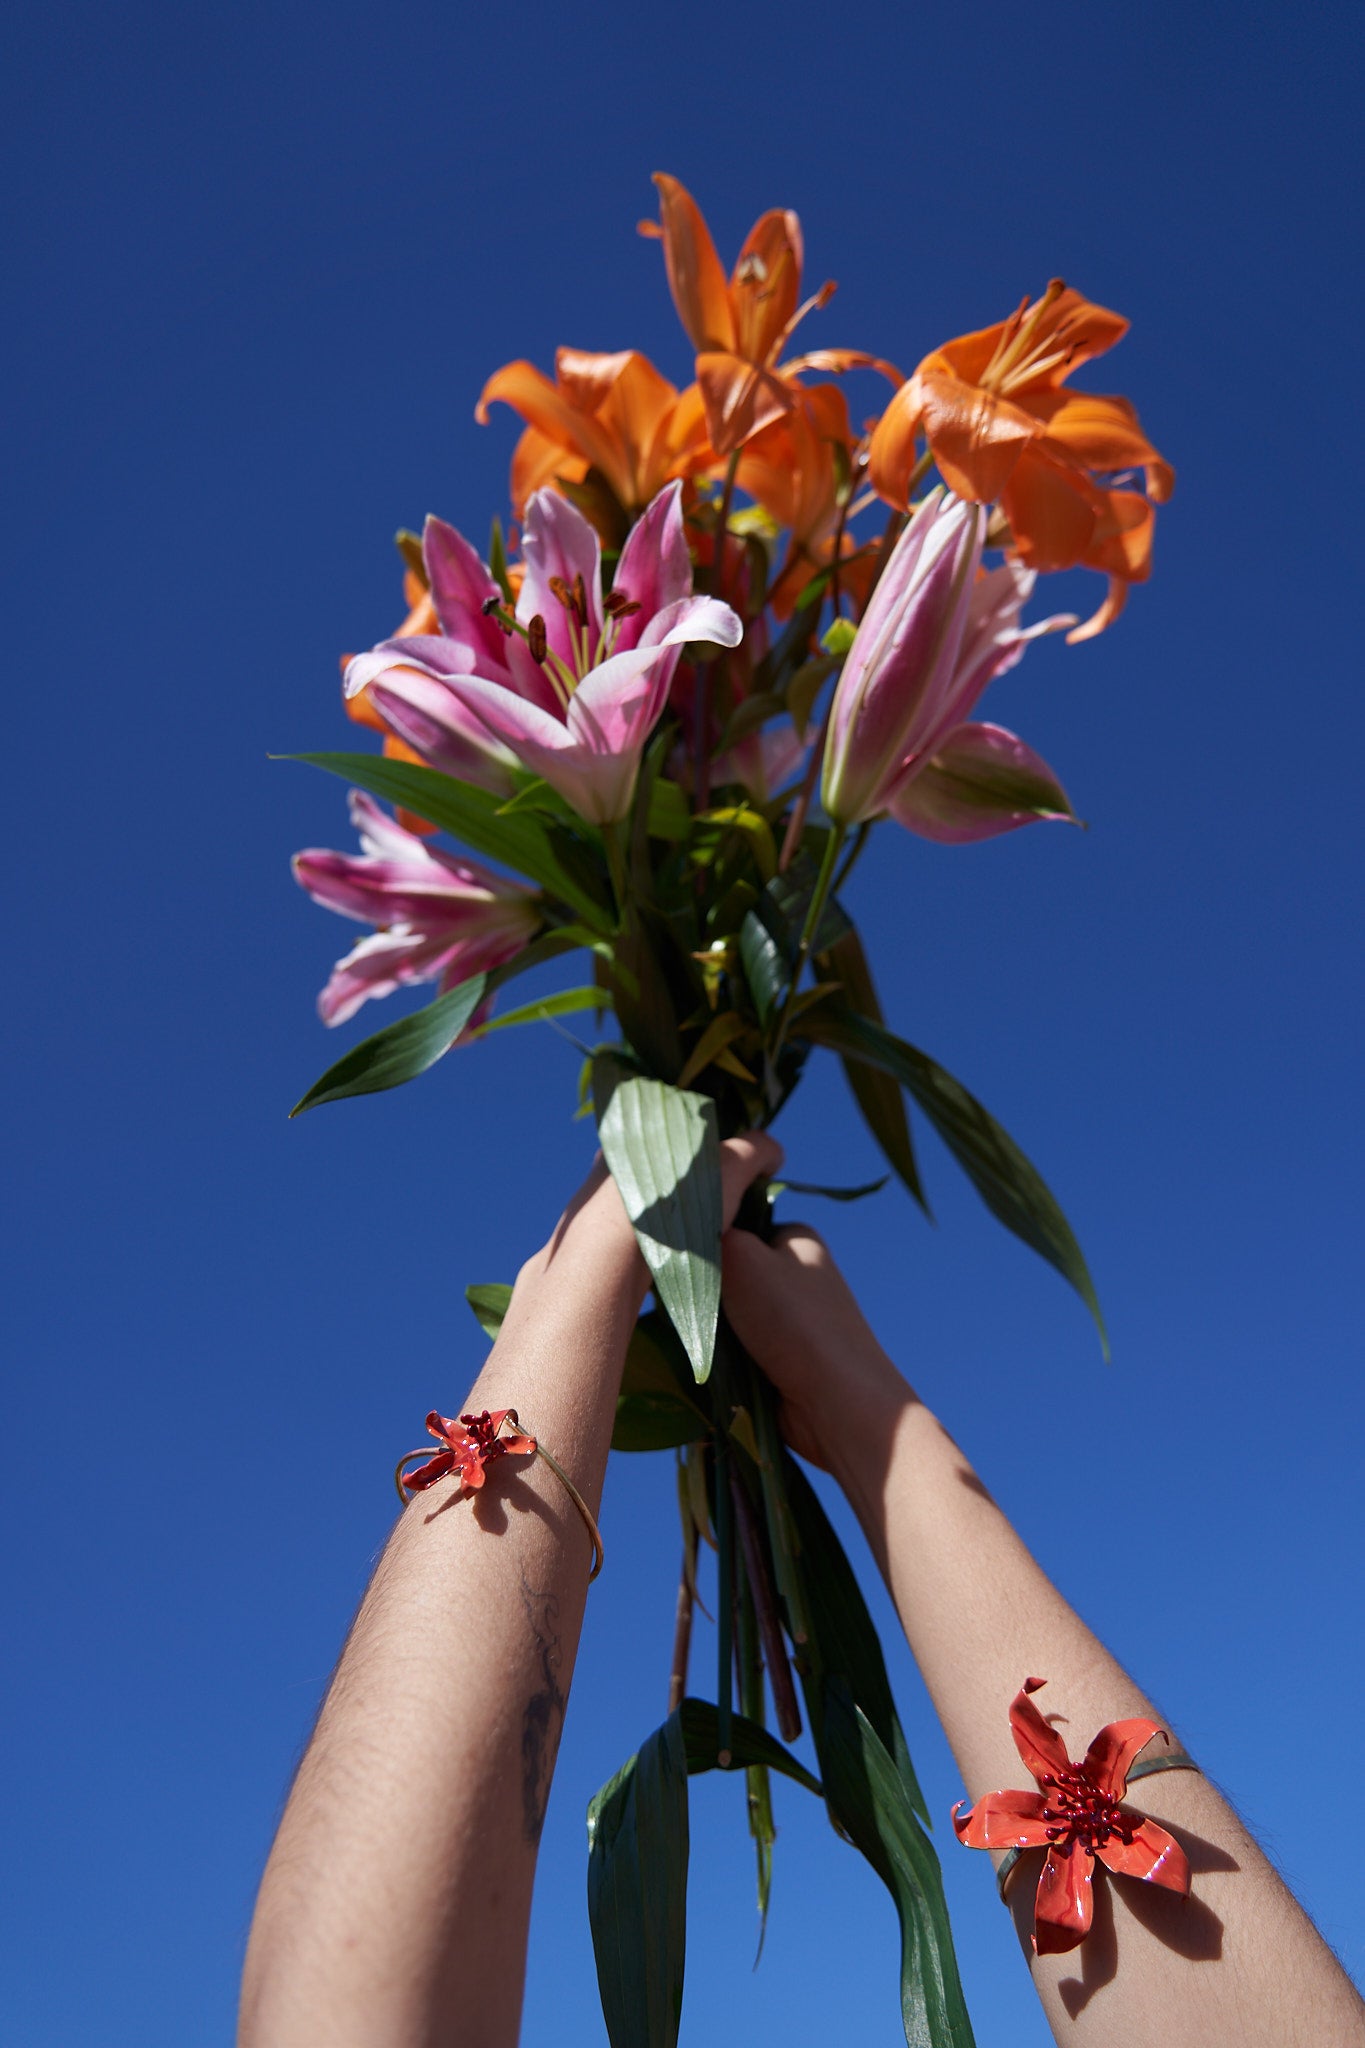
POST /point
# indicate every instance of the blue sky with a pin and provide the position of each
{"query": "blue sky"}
(261, 261)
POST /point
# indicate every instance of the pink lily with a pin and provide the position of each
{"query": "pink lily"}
(571, 683)
(936, 631)
(440, 917)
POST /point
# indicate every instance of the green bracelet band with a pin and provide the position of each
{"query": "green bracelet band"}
(1165, 1760)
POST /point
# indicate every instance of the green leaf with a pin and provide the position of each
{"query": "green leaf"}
(655, 1410)
(656, 1362)
(409, 546)
(792, 891)
(497, 561)
(401, 1051)
(749, 1744)
(867, 1792)
(1011, 1188)
(534, 846)
(670, 816)
(809, 592)
(877, 1095)
(719, 1033)
(656, 1422)
(564, 1003)
(489, 1301)
(662, 1147)
(805, 686)
(637, 1891)
(842, 1641)
(748, 715)
(713, 833)
(770, 936)
(810, 1187)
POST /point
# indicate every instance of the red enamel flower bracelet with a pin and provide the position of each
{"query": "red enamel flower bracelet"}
(473, 1443)
(1079, 1816)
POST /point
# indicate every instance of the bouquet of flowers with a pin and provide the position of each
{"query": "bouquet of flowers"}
(730, 632)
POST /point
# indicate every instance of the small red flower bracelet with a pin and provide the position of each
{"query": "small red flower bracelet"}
(470, 1446)
(1077, 1815)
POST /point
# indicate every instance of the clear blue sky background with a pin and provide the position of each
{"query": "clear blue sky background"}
(259, 262)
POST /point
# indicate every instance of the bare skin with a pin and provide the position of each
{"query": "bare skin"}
(401, 1874)
(1238, 1962)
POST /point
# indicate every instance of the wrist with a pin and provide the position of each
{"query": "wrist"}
(860, 1434)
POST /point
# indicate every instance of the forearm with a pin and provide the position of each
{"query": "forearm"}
(1236, 1961)
(399, 1886)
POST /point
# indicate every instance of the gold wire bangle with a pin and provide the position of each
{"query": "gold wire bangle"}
(594, 1533)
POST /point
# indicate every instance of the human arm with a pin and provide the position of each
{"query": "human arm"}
(399, 1885)
(1237, 1961)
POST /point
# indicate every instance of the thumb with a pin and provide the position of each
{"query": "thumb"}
(743, 1160)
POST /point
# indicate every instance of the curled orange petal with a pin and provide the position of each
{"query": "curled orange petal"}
(695, 276)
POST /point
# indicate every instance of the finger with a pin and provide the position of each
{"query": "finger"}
(743, 1160)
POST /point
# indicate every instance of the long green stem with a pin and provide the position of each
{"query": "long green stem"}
(725, 1599)
(854, 854)
(616, 861)
(701, 703)
(819, 897)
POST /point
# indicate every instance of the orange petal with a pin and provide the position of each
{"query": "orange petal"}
(695, 277)
(586, 376)
(1103, 433)
(1052, 511)
(1086, 330)
(680, 446)
(790, 468)
(632, 411)
(835, 361)
(422, 618)
(739, 399)
(538, 461)
(891, 451)
(977, 438)
(1063, 334)
(1116, 597)
(766, 284)
(543, 405)
(1121, 544)
(360, 708)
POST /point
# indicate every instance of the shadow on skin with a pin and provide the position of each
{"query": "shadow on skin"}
(491, 1503)
(1187, 1926)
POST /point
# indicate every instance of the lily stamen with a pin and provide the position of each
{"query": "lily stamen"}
(1012, 346)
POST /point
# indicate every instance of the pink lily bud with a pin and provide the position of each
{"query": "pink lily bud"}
(900, 690)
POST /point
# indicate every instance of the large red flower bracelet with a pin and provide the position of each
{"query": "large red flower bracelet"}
(1077, 1815)
(470, 1446)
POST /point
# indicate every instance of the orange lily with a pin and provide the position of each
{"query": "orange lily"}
(740, 329)
(999, 425)
(615, 414)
